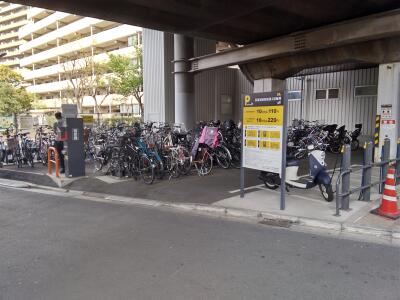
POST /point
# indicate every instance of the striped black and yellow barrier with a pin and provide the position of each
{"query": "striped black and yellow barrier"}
(377, 128)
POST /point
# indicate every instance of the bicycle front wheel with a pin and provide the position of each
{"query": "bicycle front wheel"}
(207, 164)
(223, 156)
(146, 169)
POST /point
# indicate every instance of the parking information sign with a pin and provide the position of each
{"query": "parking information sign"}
(263, 115)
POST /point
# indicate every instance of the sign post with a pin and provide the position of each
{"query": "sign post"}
(264, 135)
(283, 150)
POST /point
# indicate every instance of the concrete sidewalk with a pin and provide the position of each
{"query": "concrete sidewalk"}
(308, 204)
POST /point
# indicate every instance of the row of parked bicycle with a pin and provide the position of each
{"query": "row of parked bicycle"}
(331, 137)
(20, 149)
(158, 150)
(155, 150)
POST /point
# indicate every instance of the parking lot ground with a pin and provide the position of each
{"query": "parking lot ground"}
(193, 188)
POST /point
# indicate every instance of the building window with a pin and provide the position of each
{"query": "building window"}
(136, 109)
(294, 95)
(320, 94)
(132, 40)
(367, 90)
(333, 93)
(325, 94)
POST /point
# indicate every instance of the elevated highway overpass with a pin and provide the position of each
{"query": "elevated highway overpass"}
(270, 39)
(276, 34)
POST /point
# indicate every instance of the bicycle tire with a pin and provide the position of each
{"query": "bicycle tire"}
(146, 169)
(223, 157)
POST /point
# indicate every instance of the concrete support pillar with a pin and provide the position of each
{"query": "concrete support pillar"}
(388, 105)
(184, 81)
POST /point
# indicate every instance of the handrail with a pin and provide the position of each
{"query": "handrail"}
(50, 161)
(363, 187)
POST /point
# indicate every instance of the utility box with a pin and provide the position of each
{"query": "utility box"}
(74, 147)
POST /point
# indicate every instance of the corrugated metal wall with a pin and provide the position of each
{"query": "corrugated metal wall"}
(204, 84)
(210, 85)
(243, 87)
(347, 109)
(153, 74)
(294, 112)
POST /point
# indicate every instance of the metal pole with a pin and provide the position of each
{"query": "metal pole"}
(302, 97)
(241, 153)
(366, 179)
(346, 163)
(385, 165)
(398, 163)
(284, 141)
(338, 198)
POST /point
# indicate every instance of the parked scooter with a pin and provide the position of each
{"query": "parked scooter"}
(318, 175)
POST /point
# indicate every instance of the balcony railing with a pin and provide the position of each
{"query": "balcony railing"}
(10, 7)
(25, 32)
(13, 25)
(98, 39)
(13, 16)
(55, 69)
(35, 12)
(53, 35)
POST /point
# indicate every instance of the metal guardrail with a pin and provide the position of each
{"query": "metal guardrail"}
(343, 190)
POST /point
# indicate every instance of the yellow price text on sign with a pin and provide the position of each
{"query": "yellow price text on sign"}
(264, 145)
(275, 134)
(263, 115)
(87, 119)
(275, 145)
(251, 143)
(270, 134)
(252, 133)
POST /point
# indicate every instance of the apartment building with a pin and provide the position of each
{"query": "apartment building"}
(12, 17)
(54, 40)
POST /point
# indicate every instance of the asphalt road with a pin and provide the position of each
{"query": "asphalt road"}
(65, 248)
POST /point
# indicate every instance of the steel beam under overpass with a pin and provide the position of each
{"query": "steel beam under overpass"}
(348, 57)
(366, 29)
(237, 21)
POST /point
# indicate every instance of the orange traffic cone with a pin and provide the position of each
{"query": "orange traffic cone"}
(388, 206)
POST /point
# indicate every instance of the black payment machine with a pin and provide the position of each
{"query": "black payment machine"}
(74, 148)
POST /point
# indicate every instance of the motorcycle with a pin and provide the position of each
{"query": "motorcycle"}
(355, 143)
(317, 175)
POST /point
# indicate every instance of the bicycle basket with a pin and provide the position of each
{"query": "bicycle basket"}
(209, 136)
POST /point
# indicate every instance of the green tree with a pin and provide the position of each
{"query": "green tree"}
(8, 75)
(14, 101)
(98, 85)
(127, 76)
(77, 70)
(86, 77)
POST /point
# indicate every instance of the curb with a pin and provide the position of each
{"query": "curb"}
(258, 216)
(15, 183)
(214, 210)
